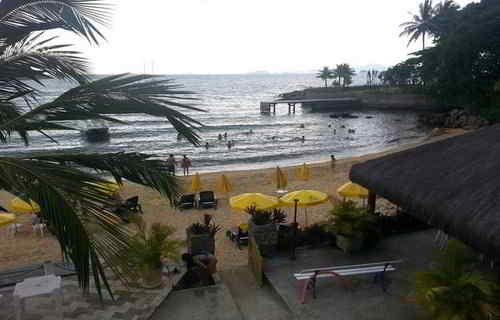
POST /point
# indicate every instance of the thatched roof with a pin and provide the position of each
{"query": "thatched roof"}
(453, 184)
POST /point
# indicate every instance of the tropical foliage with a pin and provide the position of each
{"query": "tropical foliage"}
(70, 195)
(452, 291)
(421, 23)
(325, 74)
(463, 66)
(348, 219)
(344, 73)
(149, 247)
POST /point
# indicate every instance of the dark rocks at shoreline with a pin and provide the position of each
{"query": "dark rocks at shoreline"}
(456, 118)
(343, 115)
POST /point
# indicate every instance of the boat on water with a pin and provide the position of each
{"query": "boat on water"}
(94, 135)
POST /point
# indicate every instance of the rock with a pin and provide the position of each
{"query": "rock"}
(456, 118)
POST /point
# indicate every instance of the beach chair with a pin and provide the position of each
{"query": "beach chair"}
(207, 200)
(239, 235)
(132, 204)
(186, 201)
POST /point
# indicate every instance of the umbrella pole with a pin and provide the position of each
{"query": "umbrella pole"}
(292, 256)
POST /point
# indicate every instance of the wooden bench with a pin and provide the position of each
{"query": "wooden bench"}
(342, 272)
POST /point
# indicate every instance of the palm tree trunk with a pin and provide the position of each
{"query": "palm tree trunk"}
(326, 83)
(423, 41)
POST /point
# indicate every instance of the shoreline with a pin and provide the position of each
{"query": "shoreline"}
(28, 248)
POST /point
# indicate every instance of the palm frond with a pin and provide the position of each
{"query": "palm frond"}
(121, 94)
(135, 167)
(76, 207)
(20, 18)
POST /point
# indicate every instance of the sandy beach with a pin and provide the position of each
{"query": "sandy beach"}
(28, 248)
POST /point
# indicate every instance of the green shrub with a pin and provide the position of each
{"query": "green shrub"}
(263, 217)
(347, 219)
(452, 291)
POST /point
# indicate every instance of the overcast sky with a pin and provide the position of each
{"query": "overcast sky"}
(237, 36)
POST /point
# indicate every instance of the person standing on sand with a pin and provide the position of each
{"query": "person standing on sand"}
(185, 165)
(171, 163)
(332, 164)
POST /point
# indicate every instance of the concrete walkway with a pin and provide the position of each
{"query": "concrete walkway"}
(253, 302)
(207, 303)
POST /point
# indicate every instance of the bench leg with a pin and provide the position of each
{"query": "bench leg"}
(381, 278)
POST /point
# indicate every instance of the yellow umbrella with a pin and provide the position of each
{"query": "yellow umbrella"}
(196, 183)
(20, 206)
(306, 198)
(259, 200)
(304, 172)
(7, 218)
(281, 179)
(302, 198)
(352, 190)
(224, 185)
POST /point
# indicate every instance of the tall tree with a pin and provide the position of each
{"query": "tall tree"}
(72, 199)
(325, 74)
(421, 23)
(344, 73)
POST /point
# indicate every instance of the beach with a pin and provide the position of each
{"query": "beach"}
(28, 248)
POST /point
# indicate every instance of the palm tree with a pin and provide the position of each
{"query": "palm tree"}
(421, 23)
(72, 199)
(344, 72)
(325, 74)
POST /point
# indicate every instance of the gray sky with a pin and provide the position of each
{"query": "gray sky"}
(236, 36)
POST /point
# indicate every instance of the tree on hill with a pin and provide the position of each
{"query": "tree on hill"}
(68, 187)
(421, 24)
(325, 74)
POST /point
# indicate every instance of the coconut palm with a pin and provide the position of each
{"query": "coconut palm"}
(325, 74)
(344, 73)
(421, 23)
(71, 196)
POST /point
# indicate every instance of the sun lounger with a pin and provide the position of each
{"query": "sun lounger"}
(239, 236)
(186, 201)
(207, 200)
(342, 272)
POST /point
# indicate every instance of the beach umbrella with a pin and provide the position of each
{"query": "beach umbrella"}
(259, 200)
(353, 190)
(7, 218)
(196, 183)
(302, 198)
(304, 172)
(20, 206)
(281, 179)
(224, 185)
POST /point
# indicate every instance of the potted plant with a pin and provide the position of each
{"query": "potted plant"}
(350, 224)
(148, 248)
(201, 236)
(453, 290)
(262, 227)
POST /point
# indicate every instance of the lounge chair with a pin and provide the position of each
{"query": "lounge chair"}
(186, 201)
(239, 235)
(207, 200)
(132, 204)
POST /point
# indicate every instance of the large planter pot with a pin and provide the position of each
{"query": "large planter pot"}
(350, 244)
(151, 277)
(266, 237)
(200, 243)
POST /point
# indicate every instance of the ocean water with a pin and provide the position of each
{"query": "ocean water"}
(232, 105)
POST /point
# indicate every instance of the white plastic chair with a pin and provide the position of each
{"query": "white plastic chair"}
(40, 227)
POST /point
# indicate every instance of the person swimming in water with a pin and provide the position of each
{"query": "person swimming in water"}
(207, 145)
(219, 137)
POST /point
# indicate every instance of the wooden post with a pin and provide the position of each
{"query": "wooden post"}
(274, 108)
(289, 108)
(294, 108)
(372, 199)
